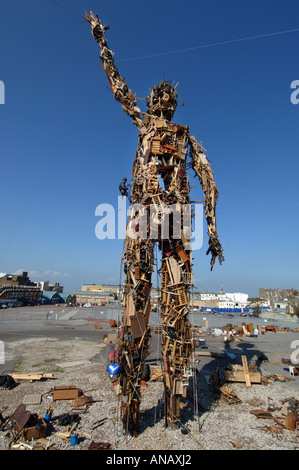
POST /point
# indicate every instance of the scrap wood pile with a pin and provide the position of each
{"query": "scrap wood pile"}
(232, 332)
(284, 414)
(235, 373)
(248, 373)
(30, 431)
(279, 418)
(9, 381)
(229, 332)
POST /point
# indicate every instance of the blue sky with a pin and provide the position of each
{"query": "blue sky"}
(65, 143)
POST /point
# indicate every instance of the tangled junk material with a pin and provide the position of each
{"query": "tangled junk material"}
(159, 183)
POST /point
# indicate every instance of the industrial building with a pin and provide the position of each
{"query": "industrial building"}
(18, 288)
(97, 298)
(46, 286)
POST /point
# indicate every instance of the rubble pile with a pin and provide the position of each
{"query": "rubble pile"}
(232, 332)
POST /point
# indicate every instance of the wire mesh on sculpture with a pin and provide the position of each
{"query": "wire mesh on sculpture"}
(160, 192)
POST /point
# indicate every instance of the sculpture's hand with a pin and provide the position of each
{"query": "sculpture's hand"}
(98, 30)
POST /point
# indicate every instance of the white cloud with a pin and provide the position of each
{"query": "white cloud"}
(54, 273)
(19, 271)
(33, 274)
(46, 274)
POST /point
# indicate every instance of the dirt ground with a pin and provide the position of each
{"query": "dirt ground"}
(218, 425)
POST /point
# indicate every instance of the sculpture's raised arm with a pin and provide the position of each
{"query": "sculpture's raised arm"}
(118, 85)
(203, 170)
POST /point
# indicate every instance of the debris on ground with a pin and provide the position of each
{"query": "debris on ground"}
(81, 412)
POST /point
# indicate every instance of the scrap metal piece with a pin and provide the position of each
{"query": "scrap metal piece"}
(160, 206)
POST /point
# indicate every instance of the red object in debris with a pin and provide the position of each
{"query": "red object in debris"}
(143, 383)
(114, 356)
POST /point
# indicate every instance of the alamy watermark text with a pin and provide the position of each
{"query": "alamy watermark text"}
(295, 94)
(150, 222)
(2, 92)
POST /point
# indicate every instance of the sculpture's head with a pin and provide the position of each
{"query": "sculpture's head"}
(162, 100)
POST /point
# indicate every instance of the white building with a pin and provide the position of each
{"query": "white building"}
(281, 304)
(238, 297)
(226, 303)
(213, 296)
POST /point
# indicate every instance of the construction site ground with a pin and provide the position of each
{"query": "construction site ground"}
(209, 420)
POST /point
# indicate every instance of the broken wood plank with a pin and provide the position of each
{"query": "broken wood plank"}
(291, 421)
(156, 373)
(228, 394)
(31, 376)
(246, 371)
(262, 414)
(22, 446)
(63, 435)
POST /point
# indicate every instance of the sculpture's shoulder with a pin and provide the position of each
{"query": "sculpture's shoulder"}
(155, 126)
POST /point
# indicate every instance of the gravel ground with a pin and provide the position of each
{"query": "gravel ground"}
(219, 425)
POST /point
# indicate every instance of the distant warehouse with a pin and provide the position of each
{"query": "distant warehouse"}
(97, 298)
(53, 297)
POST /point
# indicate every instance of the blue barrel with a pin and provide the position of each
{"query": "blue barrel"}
(47, 417)
(74, 439)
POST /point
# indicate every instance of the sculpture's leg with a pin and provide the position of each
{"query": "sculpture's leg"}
(176, 330)
(135, 333)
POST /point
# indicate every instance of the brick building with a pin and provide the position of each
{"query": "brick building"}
(19, 287)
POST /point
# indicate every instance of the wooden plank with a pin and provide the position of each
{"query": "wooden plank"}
(138, 325)
(182, 254)
(173, 349)
(245, 331)
(166, 346)
(291, 421)
(246, 371)
(174, 270)
(65, 392)
(239, 376)
(147, 311)
(156, 373)
(31, 376)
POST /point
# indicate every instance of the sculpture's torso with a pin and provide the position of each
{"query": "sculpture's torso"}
(160, 163)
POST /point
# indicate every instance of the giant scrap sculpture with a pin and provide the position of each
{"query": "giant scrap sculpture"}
(159, 183)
